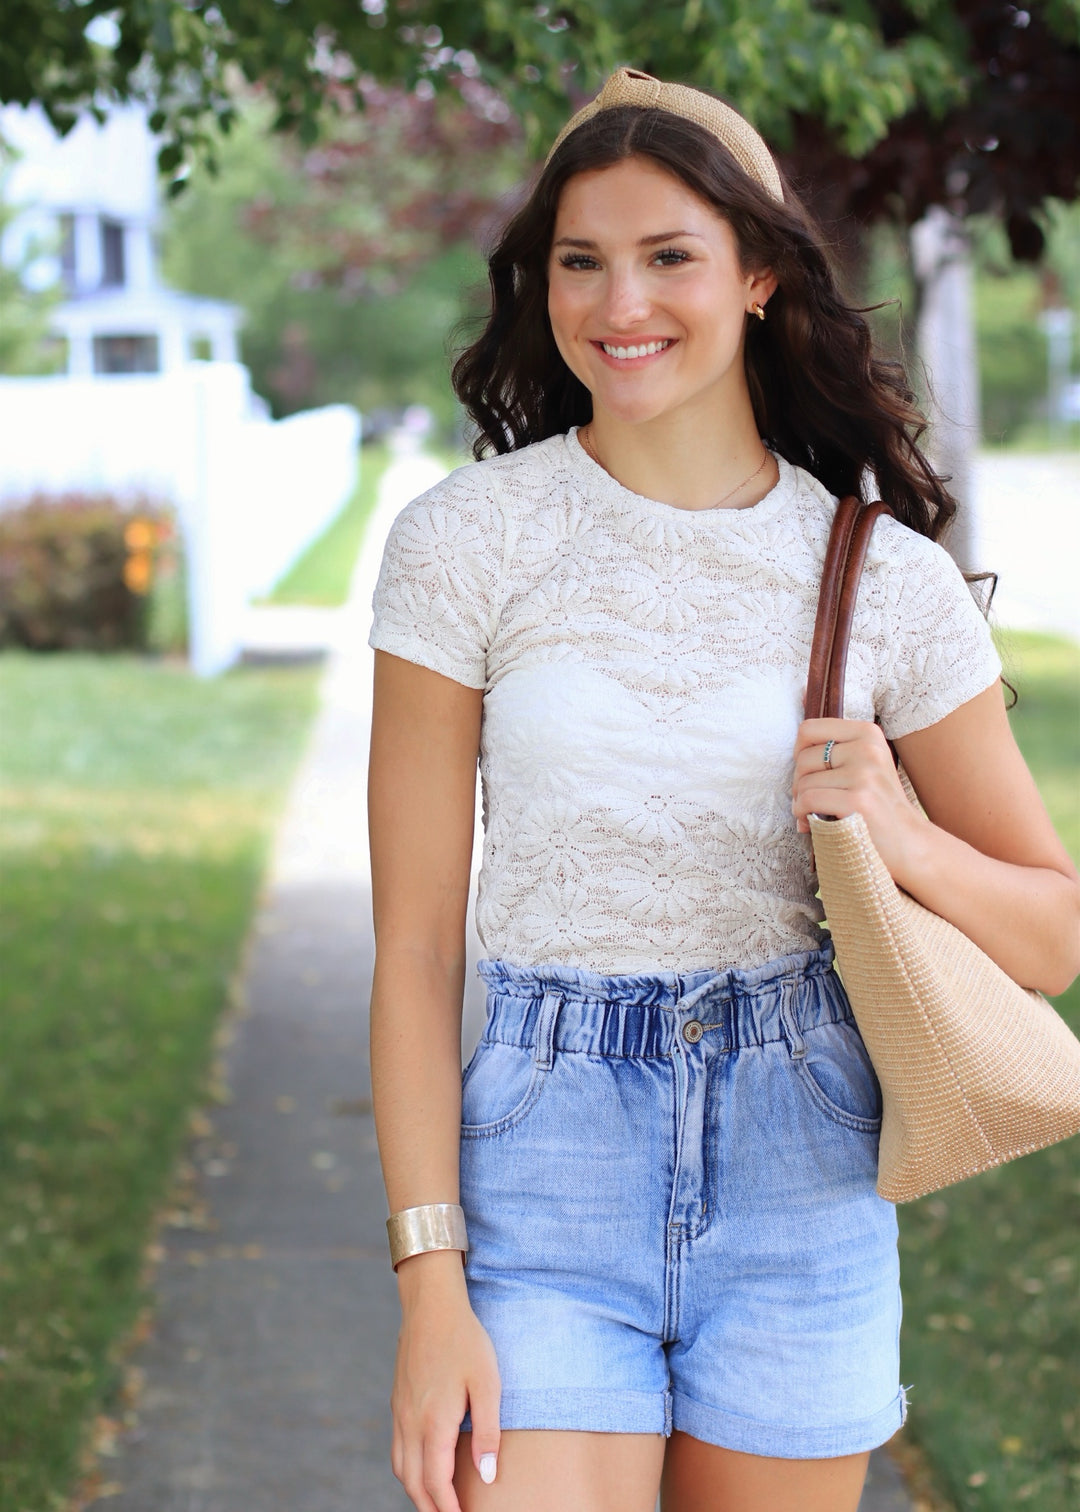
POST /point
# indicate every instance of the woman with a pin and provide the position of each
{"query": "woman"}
(679, 1276)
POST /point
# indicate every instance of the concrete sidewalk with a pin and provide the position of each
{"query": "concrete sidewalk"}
(266, 1376)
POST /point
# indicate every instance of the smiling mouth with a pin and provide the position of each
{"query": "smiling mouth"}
(629, 353)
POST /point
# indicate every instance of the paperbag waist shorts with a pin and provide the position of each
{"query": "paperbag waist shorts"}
(668, 1182)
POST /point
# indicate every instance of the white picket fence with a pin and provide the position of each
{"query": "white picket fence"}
(250, 493)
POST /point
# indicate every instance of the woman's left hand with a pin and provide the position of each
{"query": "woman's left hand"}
(859, 778)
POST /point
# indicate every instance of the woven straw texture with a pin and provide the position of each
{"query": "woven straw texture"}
(628, 87)
(958, 1096)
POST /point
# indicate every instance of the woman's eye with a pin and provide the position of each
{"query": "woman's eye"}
(670, 257)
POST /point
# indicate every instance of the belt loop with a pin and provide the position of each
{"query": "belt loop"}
(545, 1029)
(789, 1019)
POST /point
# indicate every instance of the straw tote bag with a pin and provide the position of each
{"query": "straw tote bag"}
(974, 1070)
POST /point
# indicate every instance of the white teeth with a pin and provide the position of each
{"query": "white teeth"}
(648, 350)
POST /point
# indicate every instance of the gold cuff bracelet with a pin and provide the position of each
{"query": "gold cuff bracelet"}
(434, 1226)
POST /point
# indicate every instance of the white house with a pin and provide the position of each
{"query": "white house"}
(153, 401)
(90, 207)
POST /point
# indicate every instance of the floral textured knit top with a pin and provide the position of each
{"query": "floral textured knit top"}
(643, 669)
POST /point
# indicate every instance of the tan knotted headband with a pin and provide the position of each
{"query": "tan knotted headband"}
(629, 87)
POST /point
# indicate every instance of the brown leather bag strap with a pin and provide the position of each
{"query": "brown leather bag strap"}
(832, 576)
(844, 558)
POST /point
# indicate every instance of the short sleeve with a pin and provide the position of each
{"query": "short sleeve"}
(436, 602)
(934, 649)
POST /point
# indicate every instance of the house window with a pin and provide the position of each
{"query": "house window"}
(201, 349)
(67, 252)
(126, 354)
(112, 255)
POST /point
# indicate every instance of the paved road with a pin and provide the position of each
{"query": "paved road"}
(1027, 509)
(267, 1373)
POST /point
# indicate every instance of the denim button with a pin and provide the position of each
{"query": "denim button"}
(693, 1031)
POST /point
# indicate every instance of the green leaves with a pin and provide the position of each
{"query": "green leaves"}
(792, 57)
(847, 75)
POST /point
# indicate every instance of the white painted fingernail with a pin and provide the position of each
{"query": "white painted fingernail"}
(487, 1468)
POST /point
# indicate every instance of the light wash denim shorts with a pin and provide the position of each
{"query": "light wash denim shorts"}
(668, 1182)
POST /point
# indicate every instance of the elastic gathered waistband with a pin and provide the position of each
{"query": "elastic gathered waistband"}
(641, 1014)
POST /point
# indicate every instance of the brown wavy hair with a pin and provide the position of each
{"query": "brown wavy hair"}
(822, 398)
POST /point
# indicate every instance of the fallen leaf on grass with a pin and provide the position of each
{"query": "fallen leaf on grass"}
(132, 1389)
(105, 1434)
(224, 1035)
(143, 1326)
(93, 1491)
(218, 1092)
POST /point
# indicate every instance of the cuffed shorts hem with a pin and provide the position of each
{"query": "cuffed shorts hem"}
(582, 1410)
(727, 1431)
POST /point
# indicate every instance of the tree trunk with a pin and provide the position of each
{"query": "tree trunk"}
(941, 263)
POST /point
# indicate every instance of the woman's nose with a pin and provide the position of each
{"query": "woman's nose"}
(626, 302)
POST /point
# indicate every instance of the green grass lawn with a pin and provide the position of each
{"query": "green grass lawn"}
(322, 574)
(991, 1267)
(137, 806)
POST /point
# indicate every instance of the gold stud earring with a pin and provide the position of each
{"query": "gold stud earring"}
(756, 309)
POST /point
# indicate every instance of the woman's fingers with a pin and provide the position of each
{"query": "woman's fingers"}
(859, 778)
(428, 1470)
(842, 766)
(856, 749)
(439, 1457)
(827, 797)
(446, 1362)
(413, 1478)
(838, 736)
(484, 1396)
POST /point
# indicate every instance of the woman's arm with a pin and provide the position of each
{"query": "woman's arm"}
(425, 740)
(985, 856)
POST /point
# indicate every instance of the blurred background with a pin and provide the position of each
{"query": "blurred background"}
(238, 246)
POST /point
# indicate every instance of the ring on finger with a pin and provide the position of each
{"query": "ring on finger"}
(826, 755)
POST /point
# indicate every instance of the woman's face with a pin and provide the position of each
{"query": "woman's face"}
(639, 265)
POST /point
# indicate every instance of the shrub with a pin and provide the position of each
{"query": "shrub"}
(77, 571)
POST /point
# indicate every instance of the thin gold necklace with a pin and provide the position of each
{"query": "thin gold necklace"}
(586, 441)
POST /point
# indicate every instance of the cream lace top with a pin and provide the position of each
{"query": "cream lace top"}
(643, 670)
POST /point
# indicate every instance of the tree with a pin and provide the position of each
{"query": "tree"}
(349, 257)
(1007, 146)
(387, 188)
(24, 312)
(892, 102)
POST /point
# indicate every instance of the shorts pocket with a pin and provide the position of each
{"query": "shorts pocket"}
(500, 1085)
(837, 1072)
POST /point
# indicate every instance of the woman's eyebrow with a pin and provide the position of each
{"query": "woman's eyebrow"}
(645, 241)
(651, 241)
